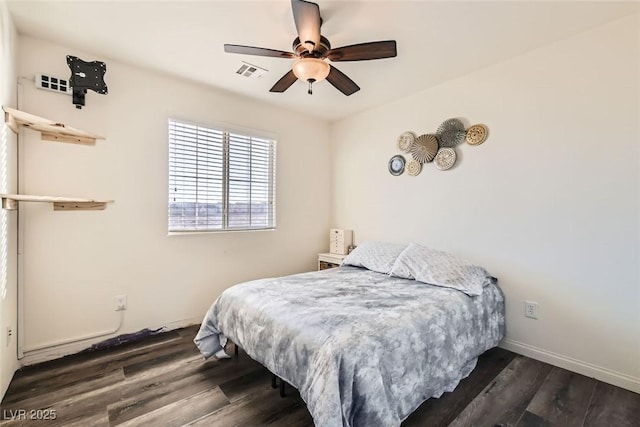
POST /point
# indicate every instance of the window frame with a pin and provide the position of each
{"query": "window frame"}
(226, 130)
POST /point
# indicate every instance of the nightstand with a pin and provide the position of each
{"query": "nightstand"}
(328, 260)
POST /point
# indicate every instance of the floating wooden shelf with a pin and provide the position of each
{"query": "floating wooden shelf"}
(10, 202)
(51, 131)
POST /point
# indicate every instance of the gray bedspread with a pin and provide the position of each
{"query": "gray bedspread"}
(363, 348)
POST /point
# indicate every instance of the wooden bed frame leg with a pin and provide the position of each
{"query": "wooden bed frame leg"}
(274, 381)
(236, 349)
(282, 393)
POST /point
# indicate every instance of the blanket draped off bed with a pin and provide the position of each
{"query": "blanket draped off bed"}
(363, 348)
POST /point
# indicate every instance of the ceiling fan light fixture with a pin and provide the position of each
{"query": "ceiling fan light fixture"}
(311, 69)
(311, 49)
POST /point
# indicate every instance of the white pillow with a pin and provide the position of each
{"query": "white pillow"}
(375, 256)
(439, 268)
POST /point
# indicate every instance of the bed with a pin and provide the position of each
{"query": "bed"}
(368, 342)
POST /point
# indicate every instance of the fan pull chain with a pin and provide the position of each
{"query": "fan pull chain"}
(310, 91)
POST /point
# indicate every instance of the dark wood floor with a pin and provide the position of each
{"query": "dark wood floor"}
(163, 381)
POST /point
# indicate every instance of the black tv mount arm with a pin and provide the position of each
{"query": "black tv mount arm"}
(86, 75)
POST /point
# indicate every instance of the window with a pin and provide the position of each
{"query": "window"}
(219, 180)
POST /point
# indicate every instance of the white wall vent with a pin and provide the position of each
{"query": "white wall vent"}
(54, 84)
(250, 70)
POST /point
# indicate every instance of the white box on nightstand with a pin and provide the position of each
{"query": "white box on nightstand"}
(340, 240)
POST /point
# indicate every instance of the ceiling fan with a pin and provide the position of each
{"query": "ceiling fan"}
(311, 49)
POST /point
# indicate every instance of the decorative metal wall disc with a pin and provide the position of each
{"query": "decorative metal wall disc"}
(396, 165)
(445, 158)
(450, 124)
(477, 134)
(450, 133)
(425, 148)
(406, 140)
(413, 168)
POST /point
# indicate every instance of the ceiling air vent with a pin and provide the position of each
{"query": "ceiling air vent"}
(250, 70)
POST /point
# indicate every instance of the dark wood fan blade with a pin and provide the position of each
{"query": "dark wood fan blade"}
(340, 81)
(306, 15)
(284, 83)
(259, 51)
(364, 51)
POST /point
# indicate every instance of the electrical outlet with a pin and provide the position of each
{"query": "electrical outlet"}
(531, 309)
(55, 84)
(121, 302)
(9, 334)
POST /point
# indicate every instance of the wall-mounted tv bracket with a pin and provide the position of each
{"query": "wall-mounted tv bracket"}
(86, 75)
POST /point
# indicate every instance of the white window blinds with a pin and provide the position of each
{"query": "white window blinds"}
(219, 180)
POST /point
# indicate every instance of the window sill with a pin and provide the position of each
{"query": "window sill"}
(194, 232)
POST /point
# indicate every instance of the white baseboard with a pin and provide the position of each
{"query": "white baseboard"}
(590, 370)
(44, 355)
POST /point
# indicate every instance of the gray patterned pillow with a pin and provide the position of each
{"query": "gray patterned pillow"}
(439, 268)
(375, 256)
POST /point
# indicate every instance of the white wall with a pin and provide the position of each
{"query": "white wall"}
(549, 204)
(75, 263)
(8, 223)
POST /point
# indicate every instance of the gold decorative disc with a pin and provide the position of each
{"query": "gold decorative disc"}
(413, 168)
(425, 148)
(406, 140)
(477, 134)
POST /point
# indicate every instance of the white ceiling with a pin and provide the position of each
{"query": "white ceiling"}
(437, 41)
